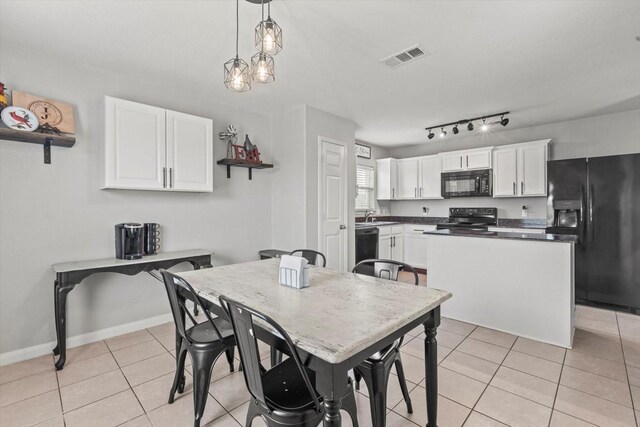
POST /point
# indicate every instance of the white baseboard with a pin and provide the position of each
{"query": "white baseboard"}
(75, 341)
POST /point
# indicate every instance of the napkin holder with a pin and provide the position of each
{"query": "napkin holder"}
(294, 271)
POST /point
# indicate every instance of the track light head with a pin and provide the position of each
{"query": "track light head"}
(485, 126)
(470, 126)
(443, 133)
(455, 130)
(430, 135)
(504, 120)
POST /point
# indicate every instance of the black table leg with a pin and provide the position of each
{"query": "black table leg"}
(431, 366)
(61, 290)
(197, 266)
(332, 417)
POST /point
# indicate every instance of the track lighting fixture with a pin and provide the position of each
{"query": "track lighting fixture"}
(469, 122)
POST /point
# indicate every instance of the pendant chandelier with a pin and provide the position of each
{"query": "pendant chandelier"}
(236, 70)
(268, 40)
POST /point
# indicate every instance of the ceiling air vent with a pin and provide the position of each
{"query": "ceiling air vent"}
(403, 57)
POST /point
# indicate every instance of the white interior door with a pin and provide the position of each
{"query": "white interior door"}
(189, 152)
(333, 204)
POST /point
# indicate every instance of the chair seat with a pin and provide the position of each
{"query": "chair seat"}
(284, 387)
(204, 332)
(380, 354)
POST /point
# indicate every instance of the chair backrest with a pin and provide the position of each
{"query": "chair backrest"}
(242, 319)
(178, 290)
(385, 269)
(311, 256)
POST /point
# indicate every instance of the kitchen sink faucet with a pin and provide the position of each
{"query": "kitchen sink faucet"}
(368, 214)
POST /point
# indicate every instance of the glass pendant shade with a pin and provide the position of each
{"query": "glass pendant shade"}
(236, 75)
(262, 68)
(269, 37)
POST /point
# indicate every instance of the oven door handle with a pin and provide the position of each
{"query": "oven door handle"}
(477, 185)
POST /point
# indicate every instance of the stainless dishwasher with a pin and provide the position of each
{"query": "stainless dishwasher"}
(366, 243)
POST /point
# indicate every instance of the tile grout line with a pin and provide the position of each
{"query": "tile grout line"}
(555, 397)
(633, 406)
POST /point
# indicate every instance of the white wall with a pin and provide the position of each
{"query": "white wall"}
(54, 213)
(598, 136)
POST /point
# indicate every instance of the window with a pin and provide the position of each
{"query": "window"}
(365, 188)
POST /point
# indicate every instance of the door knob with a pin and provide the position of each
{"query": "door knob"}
(342, 226)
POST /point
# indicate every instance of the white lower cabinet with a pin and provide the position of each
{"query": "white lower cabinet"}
(391, 242)
(415, 244)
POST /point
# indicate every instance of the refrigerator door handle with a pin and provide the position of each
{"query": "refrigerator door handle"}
(591, 227)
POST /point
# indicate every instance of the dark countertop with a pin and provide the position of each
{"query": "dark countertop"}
(434, 220)
(536, 237)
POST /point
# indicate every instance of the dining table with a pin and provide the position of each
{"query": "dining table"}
(336, 323)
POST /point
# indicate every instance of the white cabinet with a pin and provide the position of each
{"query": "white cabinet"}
(532, 161)
(520, 170)
(391, 243)
(189, 145)
(407, 178)
(466, 160)
(135, 145)
(386, 179)
(150, 148)
(429, 181)
(505, 172)
(415, 244)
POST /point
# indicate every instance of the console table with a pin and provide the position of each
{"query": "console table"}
(69, 274)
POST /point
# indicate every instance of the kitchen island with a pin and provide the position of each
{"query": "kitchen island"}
(519, 283)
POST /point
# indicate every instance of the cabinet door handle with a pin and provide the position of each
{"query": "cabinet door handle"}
(393, 193)
(420, 191)
(461, 162)
(393, 241)
(521, 187)
(170, 177)
(342, 226)
(467, 157)
(415, 191)
(164, 177)
(514, 188)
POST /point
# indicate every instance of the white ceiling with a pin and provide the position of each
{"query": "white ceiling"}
(545, 61)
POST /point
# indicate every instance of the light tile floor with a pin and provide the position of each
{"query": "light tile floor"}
(486, 378)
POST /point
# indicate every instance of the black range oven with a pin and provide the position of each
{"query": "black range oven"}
(477, 183)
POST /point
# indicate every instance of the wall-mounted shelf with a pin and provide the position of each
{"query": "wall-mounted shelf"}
(238, 163)
(35, 137)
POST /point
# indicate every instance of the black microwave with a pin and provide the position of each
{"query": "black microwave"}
(477, 183)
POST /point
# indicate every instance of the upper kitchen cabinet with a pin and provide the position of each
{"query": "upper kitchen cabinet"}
(407, 179)
(386, 179)
(150, 148)
(466, 160)
(189, 146)
(429, 181)
(520, 170)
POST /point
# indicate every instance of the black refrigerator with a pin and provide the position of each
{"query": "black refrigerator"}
(598, 200)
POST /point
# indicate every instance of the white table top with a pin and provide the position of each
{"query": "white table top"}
(338, 316)
(65, 267)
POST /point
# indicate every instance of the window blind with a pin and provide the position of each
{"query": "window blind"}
(365, 188)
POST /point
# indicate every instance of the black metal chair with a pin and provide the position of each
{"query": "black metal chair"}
(284, 395)
(311, 256)
(204, 342)
(376, 369)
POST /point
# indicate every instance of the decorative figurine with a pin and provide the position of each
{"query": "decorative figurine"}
(248, 146)
(230, 136)
(3, 97)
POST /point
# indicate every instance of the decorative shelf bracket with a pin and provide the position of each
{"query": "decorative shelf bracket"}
(47, 140)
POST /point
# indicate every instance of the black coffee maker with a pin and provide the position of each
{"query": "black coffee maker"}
(129, 239)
